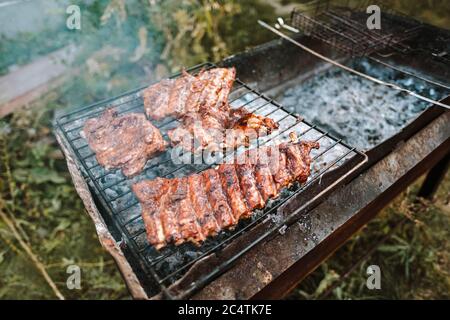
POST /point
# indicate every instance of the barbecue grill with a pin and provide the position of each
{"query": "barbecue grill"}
(166, 266)
(279, 249)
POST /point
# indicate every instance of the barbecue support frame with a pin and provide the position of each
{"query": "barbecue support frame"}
(279, 265)
(272, 276)
(434, 178)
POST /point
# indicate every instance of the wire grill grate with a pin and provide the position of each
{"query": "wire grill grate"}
(345, 29)
(113, 190)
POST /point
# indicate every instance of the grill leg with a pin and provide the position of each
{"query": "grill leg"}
(434, 178)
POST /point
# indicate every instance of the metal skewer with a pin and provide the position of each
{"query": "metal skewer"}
(361, 74)
(439, 84)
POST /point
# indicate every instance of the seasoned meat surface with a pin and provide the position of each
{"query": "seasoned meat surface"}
(264, 180)
(189, 94)
(281, 174)
(158, 96)
(168, 214)
(149, 194)
(200, 205)
(217, 130)
(201, 104)
(230, 183)
(125, 141)
(189, 227)
(249, 186)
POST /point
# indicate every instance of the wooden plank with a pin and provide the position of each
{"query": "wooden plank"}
(31, 81)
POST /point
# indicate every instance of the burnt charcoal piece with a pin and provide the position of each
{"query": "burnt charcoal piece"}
(124, 142)
(192, 208)
(230, 183)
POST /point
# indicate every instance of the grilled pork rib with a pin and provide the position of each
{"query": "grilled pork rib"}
(208, 91)
(128, 141)
(195, 207)
(201, 104)
(124, 142)
(200, 204)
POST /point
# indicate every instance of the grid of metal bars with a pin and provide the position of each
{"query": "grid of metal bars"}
(345, 28)
(115, 195)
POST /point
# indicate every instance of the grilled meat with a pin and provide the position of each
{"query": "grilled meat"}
(201, 206)
(218, 199)
(124, 142)
(201, 104)
(168, 215)
(195, 207)
(225, 128)
(281, 174)
(248, 186)
(149, 193)
(189, 227)
(264, 180)
(230, 184)
(158, 96)
(189, 94)
(242, 119)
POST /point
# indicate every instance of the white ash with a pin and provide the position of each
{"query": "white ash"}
(353, 108)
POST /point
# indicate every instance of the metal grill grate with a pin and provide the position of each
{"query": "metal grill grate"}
(345, 28)
(118, 203)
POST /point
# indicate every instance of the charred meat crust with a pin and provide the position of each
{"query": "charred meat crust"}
(189, 227)
(188, 94)
(158, 95)
(201, 104)
(201, 206)
(249, 187)
(218, 199)
(125, 141)
(149, 194)
(192, 208)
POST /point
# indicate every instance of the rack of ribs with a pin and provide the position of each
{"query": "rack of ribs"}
(189, 94)
(124, 142)
(192, 208)
(201, 104)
